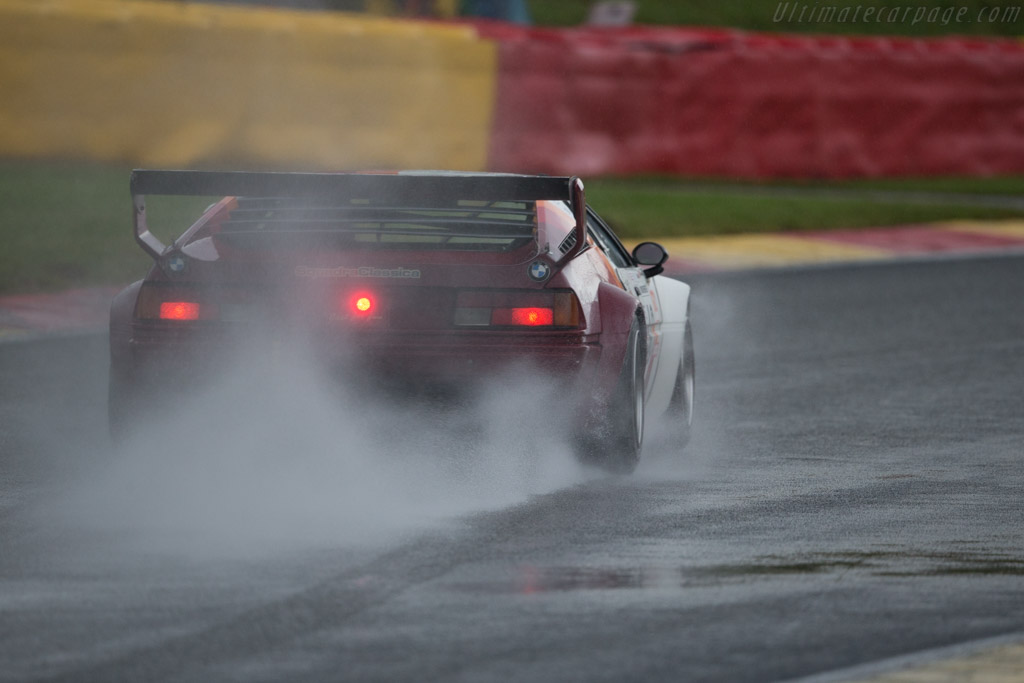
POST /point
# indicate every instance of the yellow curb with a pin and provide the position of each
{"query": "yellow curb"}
(1007, 228)
(727, 251)
(998, 665)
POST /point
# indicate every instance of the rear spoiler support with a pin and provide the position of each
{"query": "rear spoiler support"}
(578, 204)
(422, 188)
(146, 239)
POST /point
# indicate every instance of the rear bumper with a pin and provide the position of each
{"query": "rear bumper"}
(191, 342)
(444, 357)
(463, 356)
(575, 369)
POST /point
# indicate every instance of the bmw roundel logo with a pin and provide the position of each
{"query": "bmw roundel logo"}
(176, 264)
(539, 271)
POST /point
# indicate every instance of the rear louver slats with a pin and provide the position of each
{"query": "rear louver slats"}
(568, 243)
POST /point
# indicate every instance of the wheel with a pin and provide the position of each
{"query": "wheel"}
(680, 407)
(617, 443)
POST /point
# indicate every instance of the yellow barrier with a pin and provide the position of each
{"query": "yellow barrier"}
(179, 84)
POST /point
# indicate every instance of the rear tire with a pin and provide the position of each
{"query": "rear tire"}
(619, 440)
(680, 410)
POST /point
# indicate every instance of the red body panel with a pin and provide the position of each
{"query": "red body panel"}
(411, 334)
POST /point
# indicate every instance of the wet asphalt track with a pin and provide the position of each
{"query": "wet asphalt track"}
(853, 492)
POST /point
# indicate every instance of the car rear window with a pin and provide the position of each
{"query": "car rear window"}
(460, 225)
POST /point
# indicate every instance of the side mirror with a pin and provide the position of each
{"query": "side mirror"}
(652, 255)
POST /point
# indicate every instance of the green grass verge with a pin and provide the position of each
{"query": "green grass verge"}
(662, 207)
(69, 225)
(976, 17)
(1012, 185)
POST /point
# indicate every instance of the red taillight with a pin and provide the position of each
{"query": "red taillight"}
(523, 316)
(179, 310)
(362, 305)
(517, 308)
(174, 303)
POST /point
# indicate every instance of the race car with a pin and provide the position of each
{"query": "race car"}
(424, 278)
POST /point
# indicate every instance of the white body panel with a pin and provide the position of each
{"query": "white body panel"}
(673, 300)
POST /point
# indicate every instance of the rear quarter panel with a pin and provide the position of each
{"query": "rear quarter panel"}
(674, 297)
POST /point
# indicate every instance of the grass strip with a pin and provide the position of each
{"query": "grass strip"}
(66, 225)
(663, 208)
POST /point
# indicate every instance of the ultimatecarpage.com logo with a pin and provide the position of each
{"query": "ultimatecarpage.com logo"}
(804, 13)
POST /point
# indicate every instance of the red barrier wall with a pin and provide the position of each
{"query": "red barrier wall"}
(684, 101)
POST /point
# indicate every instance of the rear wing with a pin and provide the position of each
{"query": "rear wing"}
(416, 188)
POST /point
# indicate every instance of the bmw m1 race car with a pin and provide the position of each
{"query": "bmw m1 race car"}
(422, 277)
